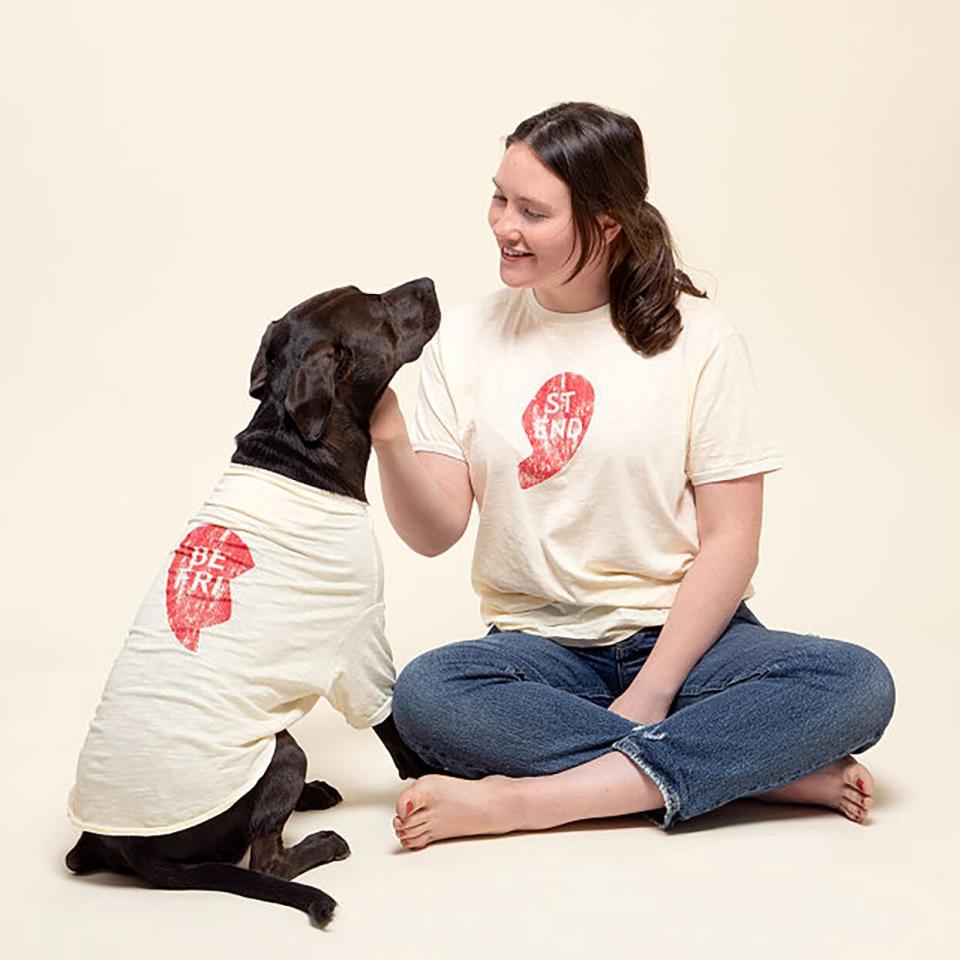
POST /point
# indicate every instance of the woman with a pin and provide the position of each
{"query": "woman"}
(605, 418)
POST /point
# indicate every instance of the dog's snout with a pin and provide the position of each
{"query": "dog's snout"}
(422, 288)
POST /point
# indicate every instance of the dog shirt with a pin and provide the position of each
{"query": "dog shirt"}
(583, 455)
(272, 599)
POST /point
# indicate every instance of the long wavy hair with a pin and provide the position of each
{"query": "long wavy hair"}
(599, 154)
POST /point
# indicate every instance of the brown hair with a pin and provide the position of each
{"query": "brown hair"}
(599, 154)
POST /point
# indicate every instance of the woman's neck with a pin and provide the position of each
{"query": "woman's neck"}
(590, 289)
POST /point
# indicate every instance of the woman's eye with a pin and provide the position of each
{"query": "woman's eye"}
(530, 213)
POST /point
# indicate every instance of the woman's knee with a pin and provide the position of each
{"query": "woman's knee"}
(424, 693)
(411, 692)
(863, 679)
(876, 684)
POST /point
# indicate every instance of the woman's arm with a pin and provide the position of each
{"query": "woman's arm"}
(427, 496)
(728, 522)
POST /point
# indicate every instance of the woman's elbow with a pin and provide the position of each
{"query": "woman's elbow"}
(441, 543)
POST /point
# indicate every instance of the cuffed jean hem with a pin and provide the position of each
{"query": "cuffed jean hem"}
(663, 817)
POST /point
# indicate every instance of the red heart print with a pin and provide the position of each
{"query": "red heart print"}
(198, 580)
(555, 421)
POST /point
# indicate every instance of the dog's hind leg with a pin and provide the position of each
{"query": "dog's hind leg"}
(269, 855)
(86, 855)
(276, 796)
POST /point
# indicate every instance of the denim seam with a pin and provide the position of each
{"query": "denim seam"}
(435, 758)
(527, 675)
(672, 803)
(755, 675)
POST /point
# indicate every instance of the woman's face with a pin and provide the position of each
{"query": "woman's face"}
(530, 211)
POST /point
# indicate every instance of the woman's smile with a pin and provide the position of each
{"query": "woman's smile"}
(512, 256)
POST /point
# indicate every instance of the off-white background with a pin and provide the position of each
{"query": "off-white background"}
(176, 175)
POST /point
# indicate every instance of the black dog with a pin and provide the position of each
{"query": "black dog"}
(318, 375)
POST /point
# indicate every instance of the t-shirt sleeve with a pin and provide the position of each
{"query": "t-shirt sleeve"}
(364, 675)
(729, 436)
(435, 426)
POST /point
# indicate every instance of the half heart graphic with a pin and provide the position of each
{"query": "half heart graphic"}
(198, 580)
(555, 421)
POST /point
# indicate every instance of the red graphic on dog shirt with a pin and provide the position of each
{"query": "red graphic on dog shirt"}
(555, 421)
(198, 581)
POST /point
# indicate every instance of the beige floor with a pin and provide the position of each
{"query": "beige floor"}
(749, 880)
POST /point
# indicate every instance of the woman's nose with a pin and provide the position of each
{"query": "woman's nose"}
(506, 229)
(505, 224)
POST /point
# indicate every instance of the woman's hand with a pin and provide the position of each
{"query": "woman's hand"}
(386, 421)
(639, 708)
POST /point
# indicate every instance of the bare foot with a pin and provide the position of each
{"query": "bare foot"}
(437, 806)
(844, 785)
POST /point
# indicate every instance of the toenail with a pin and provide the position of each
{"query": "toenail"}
(860, 783)
(409, 807)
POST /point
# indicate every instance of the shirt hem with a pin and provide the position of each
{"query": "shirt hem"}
(439, 448)
(139, 831)
(737, 471)
(385, 710)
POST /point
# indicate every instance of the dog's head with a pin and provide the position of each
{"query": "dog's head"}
(342, 346)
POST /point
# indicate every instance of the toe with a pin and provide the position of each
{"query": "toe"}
(409, 801)
(858, 776)
(851, 809)
(853, 795)
(414, 835)
(418, 843)
(414, 826)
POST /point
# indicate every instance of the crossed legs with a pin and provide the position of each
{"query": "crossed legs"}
(560, 756)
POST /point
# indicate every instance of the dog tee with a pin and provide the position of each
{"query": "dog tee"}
(583, 455)
(272, 599)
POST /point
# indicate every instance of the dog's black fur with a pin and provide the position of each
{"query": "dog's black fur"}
(318, 374)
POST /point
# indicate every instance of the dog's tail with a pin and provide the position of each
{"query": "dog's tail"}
(247, 883)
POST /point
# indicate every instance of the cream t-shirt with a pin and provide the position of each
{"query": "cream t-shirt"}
(583, 455)
(272, 599)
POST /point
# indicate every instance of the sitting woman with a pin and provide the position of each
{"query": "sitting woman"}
(605, 418)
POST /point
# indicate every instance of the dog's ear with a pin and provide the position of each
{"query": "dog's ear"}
(271, 343)
(310, 395)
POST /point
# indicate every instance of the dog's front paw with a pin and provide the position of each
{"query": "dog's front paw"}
(318, 795)
(340, 846)
(330, 843)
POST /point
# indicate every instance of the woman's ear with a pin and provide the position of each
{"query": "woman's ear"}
(610, 228)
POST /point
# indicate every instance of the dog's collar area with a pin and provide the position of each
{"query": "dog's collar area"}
(327, 499)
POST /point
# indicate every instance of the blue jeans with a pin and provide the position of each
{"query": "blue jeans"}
(760, 709)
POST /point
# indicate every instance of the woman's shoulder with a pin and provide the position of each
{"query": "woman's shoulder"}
(487, 304)
(467, 320)
(705, 323)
